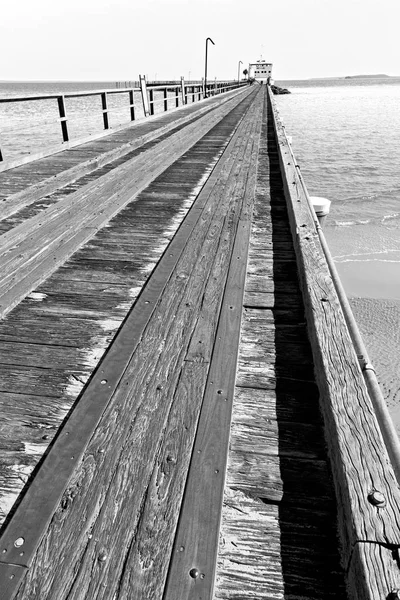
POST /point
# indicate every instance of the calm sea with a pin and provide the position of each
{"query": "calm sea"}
(29, 127)
(346, 138)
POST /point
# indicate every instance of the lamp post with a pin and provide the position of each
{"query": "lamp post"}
(240, 63)
(205, 68)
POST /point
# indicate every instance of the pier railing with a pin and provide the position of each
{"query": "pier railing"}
(86, 115)
(362, 442)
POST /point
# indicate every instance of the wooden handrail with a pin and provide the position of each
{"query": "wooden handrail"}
(148, 94)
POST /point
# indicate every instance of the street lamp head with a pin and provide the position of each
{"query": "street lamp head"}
(210, 41)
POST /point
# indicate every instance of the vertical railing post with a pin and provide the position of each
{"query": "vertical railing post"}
(151, 101)
(202, 87)
(105, 110)
(63, 118)
(183, 90)
(165, 99)
(1, 156)
(145, 98)
(215, 87)
(132, 104)
(177, 97)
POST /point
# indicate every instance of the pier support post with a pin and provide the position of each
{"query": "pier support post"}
(145, 98)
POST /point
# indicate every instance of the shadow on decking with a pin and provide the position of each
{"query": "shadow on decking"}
(307, 512)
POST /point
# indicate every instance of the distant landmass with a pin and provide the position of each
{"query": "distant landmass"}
(379, 76)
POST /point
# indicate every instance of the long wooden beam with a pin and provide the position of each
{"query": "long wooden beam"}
(367, 493)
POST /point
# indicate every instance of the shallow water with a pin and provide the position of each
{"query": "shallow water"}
(346, 138)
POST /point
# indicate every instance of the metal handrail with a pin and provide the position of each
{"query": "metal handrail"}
(384, 419)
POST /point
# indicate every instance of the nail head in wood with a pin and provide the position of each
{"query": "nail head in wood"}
(377, 499)
(194, 573)
(102, 556)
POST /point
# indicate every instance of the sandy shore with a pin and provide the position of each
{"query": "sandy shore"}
(379, 324)
(373, 288)
(371, 279)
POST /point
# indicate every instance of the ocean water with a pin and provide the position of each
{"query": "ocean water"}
(346, 138)
(31, 126)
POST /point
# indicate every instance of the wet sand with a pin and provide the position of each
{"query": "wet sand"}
(373, 289)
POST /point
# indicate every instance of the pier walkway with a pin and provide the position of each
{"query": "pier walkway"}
(161, 435)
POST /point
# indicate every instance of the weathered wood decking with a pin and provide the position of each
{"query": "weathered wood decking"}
(159, 297)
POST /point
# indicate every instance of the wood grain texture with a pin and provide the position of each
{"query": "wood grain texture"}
(199, 519)
(100, 510)
(278, 537)
(373, 572)
(83, 303)
(359, 459)
(33, 250)
(140, 134)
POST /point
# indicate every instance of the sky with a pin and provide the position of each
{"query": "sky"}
(116, 40)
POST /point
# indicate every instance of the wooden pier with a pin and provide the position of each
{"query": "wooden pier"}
(183, 414)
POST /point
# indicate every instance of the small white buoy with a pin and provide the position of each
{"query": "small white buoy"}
(321, 207)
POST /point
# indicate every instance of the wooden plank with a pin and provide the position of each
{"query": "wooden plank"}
(359, 459)
(192, 569)
(202, 342)
(296, 402)
(278, 534)
(168, 308)
(24, 262)
(373, 572)
(147, 562)
(87, 164)
(269, 552)
(249, 560)
(47, 152)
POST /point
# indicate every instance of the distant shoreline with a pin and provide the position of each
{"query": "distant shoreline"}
(379, 76)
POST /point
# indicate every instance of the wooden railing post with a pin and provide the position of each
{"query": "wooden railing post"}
(105, 110)
(165, 99)
(132, 104)
(177, 97)
(184, 99)
(215, 87)
(145, 98)
(151, 101)
(63, 118)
